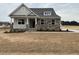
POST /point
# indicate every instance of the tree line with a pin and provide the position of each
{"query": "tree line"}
(70, 23)
(4, 23)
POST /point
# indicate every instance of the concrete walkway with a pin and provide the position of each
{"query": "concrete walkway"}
(75, 30)
(72, 30)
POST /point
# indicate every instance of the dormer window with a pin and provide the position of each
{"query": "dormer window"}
(47, 13)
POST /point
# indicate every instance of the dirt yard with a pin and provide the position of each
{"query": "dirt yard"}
(39, 43)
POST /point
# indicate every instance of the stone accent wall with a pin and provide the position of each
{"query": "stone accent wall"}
(48, 24)
(57, 24)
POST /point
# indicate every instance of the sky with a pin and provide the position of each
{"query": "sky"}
(67, 11)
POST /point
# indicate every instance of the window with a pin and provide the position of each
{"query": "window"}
(20, 21)
(42, 21)
(53, 21)
(47, 13)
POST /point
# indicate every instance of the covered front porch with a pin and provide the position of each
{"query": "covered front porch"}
(24, 23)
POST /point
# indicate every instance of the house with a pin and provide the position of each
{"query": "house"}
(34, 19)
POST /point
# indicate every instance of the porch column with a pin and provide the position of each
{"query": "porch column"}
(12, 19)
(35, 21)
(27, 26)
(27, 21)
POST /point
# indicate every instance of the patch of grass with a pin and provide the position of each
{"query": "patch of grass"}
(71, 27)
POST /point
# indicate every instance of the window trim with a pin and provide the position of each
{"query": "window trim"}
(21, 21)
(47, 13)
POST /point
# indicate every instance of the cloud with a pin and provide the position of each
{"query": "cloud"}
(67, 11)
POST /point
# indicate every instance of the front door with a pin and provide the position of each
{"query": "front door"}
(32, 23)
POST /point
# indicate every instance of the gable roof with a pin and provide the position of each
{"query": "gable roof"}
(36, 11)
(24, 13)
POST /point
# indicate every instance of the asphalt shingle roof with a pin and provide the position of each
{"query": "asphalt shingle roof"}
(40, 11)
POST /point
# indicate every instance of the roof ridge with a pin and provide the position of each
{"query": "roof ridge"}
(41, 8)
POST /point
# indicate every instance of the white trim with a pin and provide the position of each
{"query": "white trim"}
(12, 20)
(33, 17)
(47, 13)
(35, 21)
(23, 16)
(50, 17)
(27, 21)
